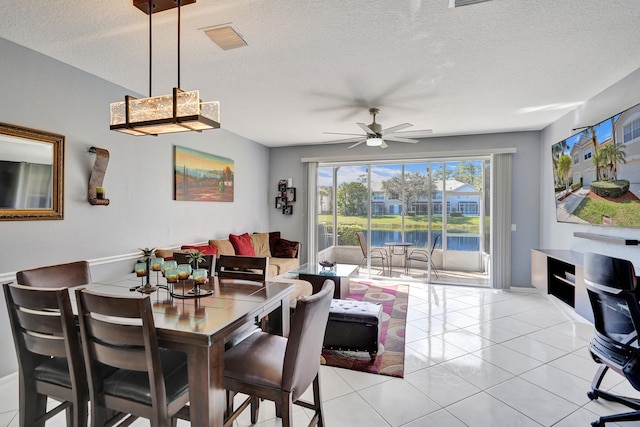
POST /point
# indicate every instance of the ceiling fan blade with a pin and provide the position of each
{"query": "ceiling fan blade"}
(340, 141)
(366, 129)
(357, 143)
(384, 144)
(416, 133)
(396, 128)
(341, 133)
(400, 139)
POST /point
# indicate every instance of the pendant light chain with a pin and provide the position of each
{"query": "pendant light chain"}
(179, 1)
(150, 45)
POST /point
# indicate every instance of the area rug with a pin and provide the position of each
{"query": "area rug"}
(390, 357)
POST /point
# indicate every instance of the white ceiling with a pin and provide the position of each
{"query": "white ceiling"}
(313, 66)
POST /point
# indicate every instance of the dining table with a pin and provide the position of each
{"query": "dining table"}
(200, 326)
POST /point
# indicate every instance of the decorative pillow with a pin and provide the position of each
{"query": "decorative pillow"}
(286, 249)
(204, 249)
(274, 236)
(167, 254)
(260, 243)
(223, 247)
(242, 244)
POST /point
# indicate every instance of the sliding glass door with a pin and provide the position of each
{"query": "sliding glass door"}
(422, 220)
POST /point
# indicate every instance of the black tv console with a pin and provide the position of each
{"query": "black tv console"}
(560, 273)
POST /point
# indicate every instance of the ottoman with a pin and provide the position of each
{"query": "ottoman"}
(353, 326)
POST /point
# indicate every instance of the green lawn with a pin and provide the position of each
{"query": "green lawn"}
(624, 214)
(464, 224)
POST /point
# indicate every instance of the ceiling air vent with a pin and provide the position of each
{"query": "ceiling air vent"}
(225, 36)
(460, 3)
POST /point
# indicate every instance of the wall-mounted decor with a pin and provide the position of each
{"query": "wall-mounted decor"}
(596, 173)
(31, 174)
(202, 177)
(96, 190)
(286, 195)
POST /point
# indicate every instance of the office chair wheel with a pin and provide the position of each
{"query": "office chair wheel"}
(597, 424)
(591, 395)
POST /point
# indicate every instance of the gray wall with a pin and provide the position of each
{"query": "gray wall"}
(44, 94)
(556, 235)
(285, 162)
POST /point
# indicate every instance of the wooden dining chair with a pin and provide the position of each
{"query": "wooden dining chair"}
(255, 269)
(49, 354)
(279, 369)
(56, 276)
(146, 381)
(249, 271)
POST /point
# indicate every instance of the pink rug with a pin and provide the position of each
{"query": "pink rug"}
(390, 358)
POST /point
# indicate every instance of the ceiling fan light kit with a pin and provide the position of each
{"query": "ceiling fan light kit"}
(181, 111)
(375, 136)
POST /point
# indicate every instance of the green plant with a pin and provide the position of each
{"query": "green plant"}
(195, 258)
(147, 253)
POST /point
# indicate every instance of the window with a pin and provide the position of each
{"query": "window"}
(576, 159)
(587, 154)
(468, 208)
(632, 131)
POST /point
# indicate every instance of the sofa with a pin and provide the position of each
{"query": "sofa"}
(282, 253)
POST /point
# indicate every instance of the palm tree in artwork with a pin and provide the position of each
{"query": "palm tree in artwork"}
(591, 133)
(564, 168)
(557, 150)
(614, 154)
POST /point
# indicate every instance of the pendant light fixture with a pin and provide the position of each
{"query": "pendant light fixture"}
(180, 111)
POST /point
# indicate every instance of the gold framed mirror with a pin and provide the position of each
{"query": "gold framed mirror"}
(31, 174)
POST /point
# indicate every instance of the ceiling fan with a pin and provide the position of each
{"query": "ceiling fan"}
(375, 136)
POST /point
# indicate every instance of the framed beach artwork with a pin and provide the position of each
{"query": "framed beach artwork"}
(202, 177)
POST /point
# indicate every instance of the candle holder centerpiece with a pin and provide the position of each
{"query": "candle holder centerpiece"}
(198, 276)
(143, 269)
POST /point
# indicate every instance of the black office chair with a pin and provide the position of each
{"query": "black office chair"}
(611, 285)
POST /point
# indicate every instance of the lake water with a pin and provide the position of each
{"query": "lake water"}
(420, 238)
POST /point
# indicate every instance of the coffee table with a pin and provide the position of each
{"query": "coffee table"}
(316, 275)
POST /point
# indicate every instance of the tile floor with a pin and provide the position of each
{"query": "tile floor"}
(474, 357)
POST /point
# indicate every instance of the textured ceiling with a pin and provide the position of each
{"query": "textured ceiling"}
(313, 66)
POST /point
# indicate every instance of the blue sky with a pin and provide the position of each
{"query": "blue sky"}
(379, 173)
(603, 132)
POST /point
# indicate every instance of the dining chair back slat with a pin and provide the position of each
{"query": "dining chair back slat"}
(56, 276)
(239, 267)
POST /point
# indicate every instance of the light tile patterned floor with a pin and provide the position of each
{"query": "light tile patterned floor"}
(474, 357)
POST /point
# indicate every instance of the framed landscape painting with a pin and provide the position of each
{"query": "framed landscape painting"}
(201, 176)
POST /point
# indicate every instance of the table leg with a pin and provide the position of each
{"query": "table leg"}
(206, 392)
(280, 319)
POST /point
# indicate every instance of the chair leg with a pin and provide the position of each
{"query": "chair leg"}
(33, 405)
(255, 408)
(317, 400)
(287, 410)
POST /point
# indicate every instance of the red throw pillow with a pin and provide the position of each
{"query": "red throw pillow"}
(242, 244)
(286, 249)
(204, 249)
